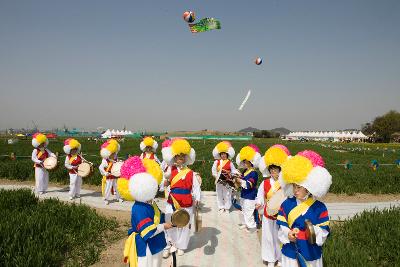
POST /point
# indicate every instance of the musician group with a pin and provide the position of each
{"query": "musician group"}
(295, 222)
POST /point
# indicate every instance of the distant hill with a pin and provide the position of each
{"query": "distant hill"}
(248, 130)
(281, 131)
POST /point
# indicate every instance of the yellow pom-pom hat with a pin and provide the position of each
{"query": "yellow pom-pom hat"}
(178, 146)
(275, 155)
(223, 147)
(148, 141)
(307, 170)
(109, 147)
(250, 153)
(139, 179)
(38, 139)
(70, 144)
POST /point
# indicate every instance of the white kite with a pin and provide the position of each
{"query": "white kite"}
(245, 100)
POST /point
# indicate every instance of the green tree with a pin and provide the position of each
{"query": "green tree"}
(386, 125)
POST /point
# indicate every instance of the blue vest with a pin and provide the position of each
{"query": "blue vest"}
(141, 219)
(317, 214)
(251, 183)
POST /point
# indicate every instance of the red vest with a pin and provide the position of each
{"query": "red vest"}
(267, 187)
(44, 156)
(144, 155)
(227, 166)
(75, 162)
(182, 190)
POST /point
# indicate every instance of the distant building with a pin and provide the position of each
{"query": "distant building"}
(335, 136)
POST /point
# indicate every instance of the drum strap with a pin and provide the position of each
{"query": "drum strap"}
(130, 252)
(298, 210)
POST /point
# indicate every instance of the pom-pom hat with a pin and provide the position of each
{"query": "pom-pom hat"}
(223, 147)
(250, 153)
(178, 146)
(109, 147)
(70, 144)
(38, 139)
(148, 142)
(275, 155)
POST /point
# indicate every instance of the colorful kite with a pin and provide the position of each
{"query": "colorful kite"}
(206, 24)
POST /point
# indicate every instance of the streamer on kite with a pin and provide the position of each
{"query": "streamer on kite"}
(245, 100)
(206, 24)
(374, 164)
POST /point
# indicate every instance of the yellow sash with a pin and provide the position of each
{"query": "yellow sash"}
(177, 177)
(222, 164)
(72, 158)
(298, 210)
(38, 156)
(180, 175)
(273, 189)
(103, 181)
(130, 253)
(248, 171)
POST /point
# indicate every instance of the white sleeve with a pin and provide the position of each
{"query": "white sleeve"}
(102, 167)
(243, 183)
(196, 190)
(51, 154)
(214, 171)
(160, 228)
(320, 235)
(260, 194)
(35, 158)
(67, 164)
(283, 233)
(167, 173)
(233, 168)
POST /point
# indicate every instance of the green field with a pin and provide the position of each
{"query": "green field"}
(369, 239)
(359, 179)
(49, 232)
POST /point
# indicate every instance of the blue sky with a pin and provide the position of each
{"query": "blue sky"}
(327, 64)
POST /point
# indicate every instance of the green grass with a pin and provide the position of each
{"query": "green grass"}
(360, 179)
(49, 232)
(369, 239)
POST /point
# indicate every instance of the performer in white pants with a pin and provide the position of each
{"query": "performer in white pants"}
(146, 238)
(72, 148)
(248, 159)
(270, 166)
(108, 152)
(305, 181)
(149, 147)
(184, 192)
(223, 169)
(39, 154)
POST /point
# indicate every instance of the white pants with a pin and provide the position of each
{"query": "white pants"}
(150, 260)
(224, 197)
(270, 244)
(111, 183)
(75, 183)
(41, 179)
(246, 216)
(289, 262)
(179, 237)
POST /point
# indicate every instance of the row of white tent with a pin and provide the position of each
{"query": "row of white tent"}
(115, 133)
(335, 135)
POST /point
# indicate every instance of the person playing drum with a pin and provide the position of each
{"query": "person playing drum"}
(184, 191)
(149, 147)
(108, 152)
(39, 154)
(270, 166)
(303, 220)
(223, 169)
(72, 148)
(146, 236)
(248, 159)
